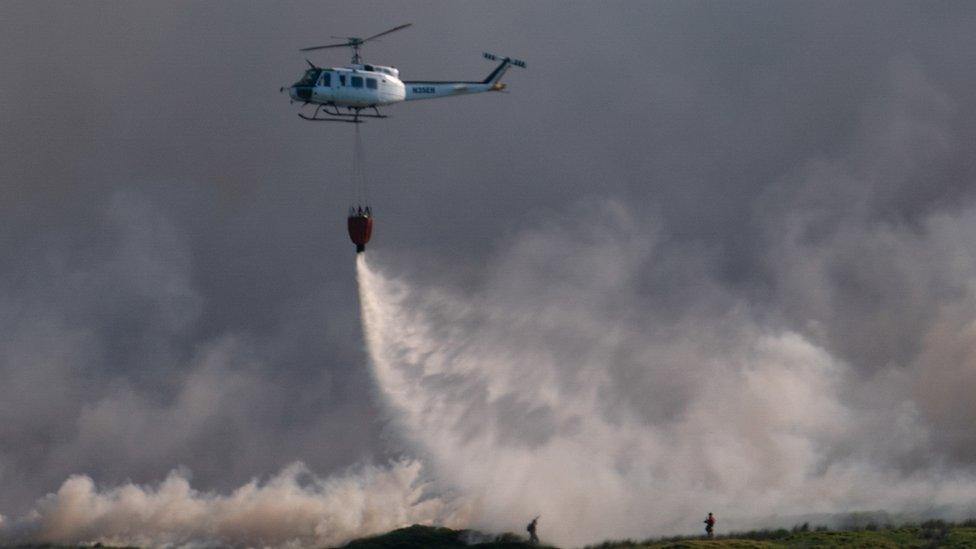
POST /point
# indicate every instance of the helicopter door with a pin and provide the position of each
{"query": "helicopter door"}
(357, 82)
(341, 91)
(323, 88)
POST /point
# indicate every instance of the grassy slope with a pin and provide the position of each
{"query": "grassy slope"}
(939, 535)
(934, 534)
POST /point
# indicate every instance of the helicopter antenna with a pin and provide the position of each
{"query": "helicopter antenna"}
(355, 43)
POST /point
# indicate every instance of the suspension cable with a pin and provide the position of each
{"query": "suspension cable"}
(359, 182)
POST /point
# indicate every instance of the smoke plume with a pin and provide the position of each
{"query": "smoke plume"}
(547, 392)
(293, 508)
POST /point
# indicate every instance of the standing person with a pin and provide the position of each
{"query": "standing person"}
(709, 525)
(533, 539)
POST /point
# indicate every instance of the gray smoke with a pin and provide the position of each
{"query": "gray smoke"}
(292, 508)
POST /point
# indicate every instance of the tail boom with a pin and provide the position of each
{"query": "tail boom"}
(432, 89)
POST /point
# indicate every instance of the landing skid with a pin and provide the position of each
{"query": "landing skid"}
(336, 116)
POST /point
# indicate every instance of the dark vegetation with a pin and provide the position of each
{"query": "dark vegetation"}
(429, 537)
(54, 546)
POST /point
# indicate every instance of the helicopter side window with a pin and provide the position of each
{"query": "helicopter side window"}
(311, 75)
(326, 79)
(357, 81)
(371, 83)
(342, 80)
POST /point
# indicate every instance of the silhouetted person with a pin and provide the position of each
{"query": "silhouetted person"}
(710, 525)
(533, 539)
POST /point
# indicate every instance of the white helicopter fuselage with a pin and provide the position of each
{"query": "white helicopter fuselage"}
(352, 86)
(359, 86)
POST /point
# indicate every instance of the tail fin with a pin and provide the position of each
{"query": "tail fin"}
(496, 75)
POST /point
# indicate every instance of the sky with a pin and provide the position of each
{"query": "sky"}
(757, 202)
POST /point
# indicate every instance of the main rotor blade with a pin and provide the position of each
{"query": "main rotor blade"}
(355, 41)
(394, 29)
(326, 46)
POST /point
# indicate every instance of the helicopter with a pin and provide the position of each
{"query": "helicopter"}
(359, 86)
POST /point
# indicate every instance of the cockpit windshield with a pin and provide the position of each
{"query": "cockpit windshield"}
(310, 77)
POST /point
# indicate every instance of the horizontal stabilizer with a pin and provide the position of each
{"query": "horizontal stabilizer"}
(516, 62)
